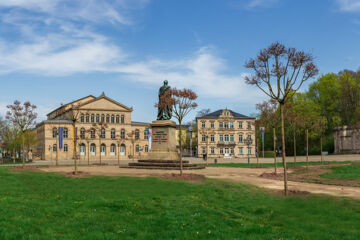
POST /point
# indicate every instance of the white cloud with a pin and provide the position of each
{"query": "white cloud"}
(349, 5)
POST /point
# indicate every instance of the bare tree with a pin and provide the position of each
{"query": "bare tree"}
(279, 72)
(203, 112)
(24, 117)
(100, 129)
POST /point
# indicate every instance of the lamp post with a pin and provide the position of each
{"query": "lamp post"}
(248, 141)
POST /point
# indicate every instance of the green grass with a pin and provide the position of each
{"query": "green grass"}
(38, 205)
(344, 172)
(279, 164)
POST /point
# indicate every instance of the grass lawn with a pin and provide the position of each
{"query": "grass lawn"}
(37, 205)
(344, 172)
(279, 164)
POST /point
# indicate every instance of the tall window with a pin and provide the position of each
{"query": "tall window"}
(226, 125)
(92, 133)
(240, 150)
(54, 132)
(122, 118)
(146, 148)
(220, 124)
(54, 148)
(113, 149)
(66, 133)
(97, 118)
(203, 138)
(249, 136)
(249, 150)
(93, 149)
(231, 124)
(203, 124)
(113, 133)
(82, 149)
(112, 119)
(103, 117)
(103, 149)
(232, 151)
(66, 149)
(231, 138)
(117, 119)
(221, 138)
(221, 151)
(212, 150)
(226, 138)
(122, 133)
(146, 134)
(137, 148)
(107, 118)
(212, 138)
(203, 150)
(248, 125)
(87, 118)
(82, 118)
(240, 138)
(82, 133)
(240, 125)
(212, 125)
(92, 118)
(103, 133)
(137, 134)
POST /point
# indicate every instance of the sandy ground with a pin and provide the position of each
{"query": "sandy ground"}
(242, 175)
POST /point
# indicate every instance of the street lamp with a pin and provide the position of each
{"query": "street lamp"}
(248, 141)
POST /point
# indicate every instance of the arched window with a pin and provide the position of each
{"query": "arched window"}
(146, 148)
(122, 134)
(113, 133)
(54, 148)
(92, 118)
(93, 149)
(97, 118)
(103, 117)
(112, 119)
(103, 133)
(117, 119)
(122, 118)
(122, 149)
(87, 118)
(66, 149)
(137, 134)
(146, 134)
(82, 133)
(82, 118)
(107, 118)
(103, 149)
(82, 149)
(54, 132)
(65, 133)
(113, 150)
(92, 133)
(137, 148)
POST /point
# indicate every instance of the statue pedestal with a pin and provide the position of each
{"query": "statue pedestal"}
(163, 141)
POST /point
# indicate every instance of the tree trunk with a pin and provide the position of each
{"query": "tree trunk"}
(257, 153)
(283, 150)
(74, 153)
(307, 149)
(321, 149)
(88, 153)
(274, 142)
(22, 146)
(294, 147)
(57, 148)
(100, 148)
(119, 155)
(181, 162)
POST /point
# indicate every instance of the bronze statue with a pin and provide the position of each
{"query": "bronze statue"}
(164, 109)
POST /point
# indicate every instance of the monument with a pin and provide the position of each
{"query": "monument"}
(163, 153)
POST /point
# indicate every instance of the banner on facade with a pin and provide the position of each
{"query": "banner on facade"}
(61, 130)
(149, 136)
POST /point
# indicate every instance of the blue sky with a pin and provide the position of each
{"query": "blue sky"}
(55, 51)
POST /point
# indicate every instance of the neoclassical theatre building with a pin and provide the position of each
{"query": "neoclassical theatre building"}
(225, 133)
(103, 127)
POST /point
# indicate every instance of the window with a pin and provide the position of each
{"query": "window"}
(82, 133)
(117, 119)
(93, 149)
(54, 148)
(231, 124)
(82, 118)
(226, 138)
(92, 133)
(249, 137)
(203, 124)
(240, 150)
(55, 132)
(103, 133)
(113, 133)
(232, 151)
(241, 138)
(82, 149)
(221, 151)
(212, 125)
(221, 138)
(137, 134)
(112, 119)
(97, 118)
(226, 125)
(240, 125)
(103, 117)
(92, 118)
(203, 138)
(220, 125)
(103, 149)
(113, 149)
(122, 133)
(66, 133)
(249, 151)
(146, 148)
(212, 138)
(146, 134)
(231, 138)
(212, 150)
(137, 148)
(203, 150)
(65, 148)
(107, 118)
(122, 118)
(87, 118)
(248, 125)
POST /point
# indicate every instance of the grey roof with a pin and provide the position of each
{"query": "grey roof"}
(217, 114)
(55, 121)
(139, 123)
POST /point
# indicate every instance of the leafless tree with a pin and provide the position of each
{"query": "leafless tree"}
(279, 72)
(99, 128)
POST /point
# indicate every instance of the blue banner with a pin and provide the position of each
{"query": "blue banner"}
(60, 137)
(262, 136)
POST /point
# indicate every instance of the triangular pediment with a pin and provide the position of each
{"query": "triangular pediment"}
(104, 103)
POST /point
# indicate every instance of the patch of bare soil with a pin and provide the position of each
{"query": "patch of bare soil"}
(312, 175)
(292, 192)
(188, 177)
(27, 168)
(79, 174)
(98, 164)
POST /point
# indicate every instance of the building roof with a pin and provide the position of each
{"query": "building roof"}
(217, 114)
(139, 123)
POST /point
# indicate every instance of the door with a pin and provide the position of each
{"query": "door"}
(122, 150)
(226, 152)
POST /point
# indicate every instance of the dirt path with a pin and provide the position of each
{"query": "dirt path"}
(243, 175)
